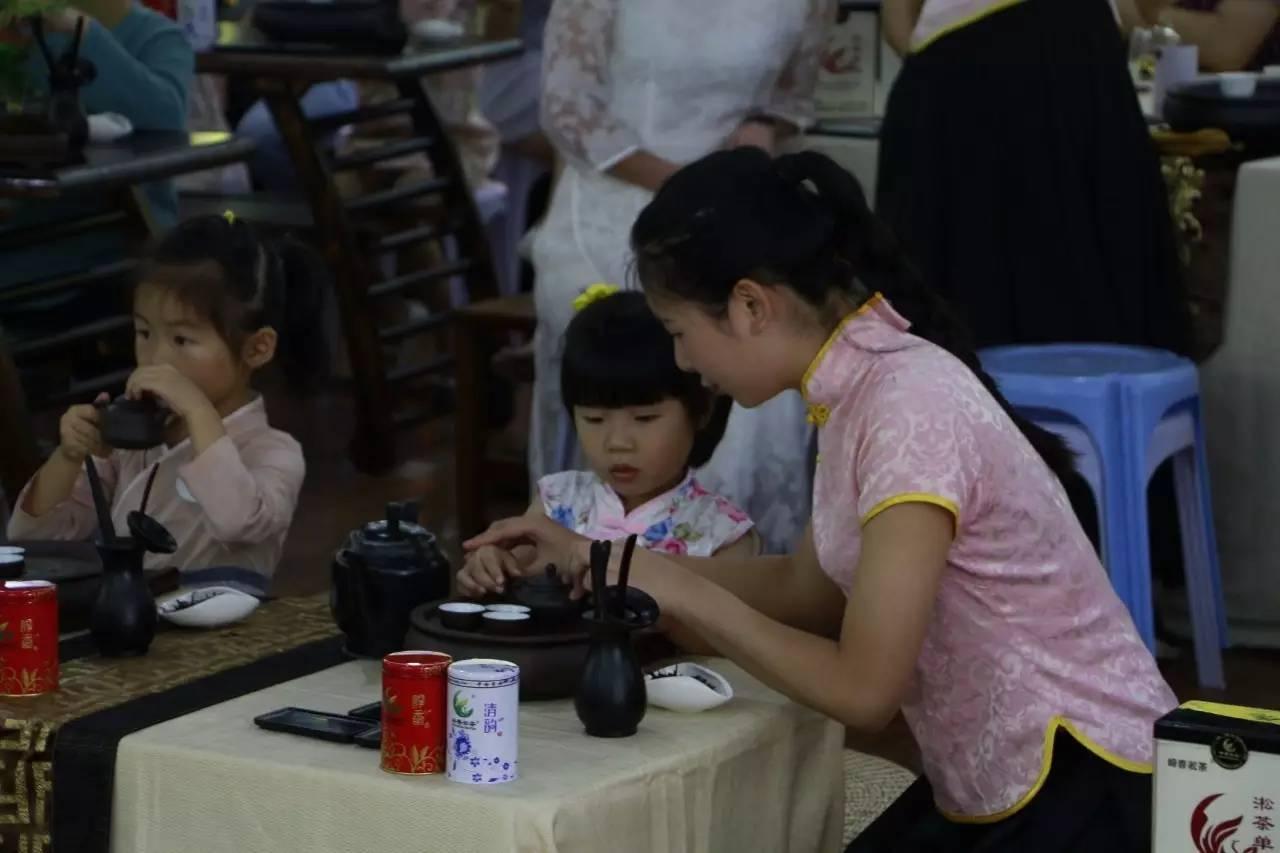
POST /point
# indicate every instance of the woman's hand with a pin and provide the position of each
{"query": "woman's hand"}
(78, 433)
(486, 571)
(1149, 10)
(757, 134)
(665, 582)
(551, 543)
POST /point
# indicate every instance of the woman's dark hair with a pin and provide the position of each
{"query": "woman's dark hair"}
(803, 221)
(224, 271)
(616, 354)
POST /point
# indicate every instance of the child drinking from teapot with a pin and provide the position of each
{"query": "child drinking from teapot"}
(644, 425)
(214, 305)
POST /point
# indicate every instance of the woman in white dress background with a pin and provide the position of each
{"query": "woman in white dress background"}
(631, 92)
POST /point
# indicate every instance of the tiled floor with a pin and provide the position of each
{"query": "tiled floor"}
(336, 498)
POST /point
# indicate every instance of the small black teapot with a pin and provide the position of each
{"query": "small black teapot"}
(128, 424)
(385, 570)
(547, 598)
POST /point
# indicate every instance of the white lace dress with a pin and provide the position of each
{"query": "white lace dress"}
(675, 79)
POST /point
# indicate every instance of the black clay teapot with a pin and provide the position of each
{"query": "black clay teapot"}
(547, 598)
(128, 424)
(386, 569)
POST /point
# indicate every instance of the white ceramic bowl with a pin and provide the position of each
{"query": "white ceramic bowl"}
(12, 549)
(11, 564)
(207, 607)
(687, 687)
(1238, 84)
(507, 608)
(461, 607)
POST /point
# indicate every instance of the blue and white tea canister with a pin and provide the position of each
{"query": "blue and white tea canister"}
(484, 721)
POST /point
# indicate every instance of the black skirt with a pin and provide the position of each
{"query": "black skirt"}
(1087, 805)
(1017, 169)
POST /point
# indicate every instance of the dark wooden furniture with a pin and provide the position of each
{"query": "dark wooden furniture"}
(481, 328)
(110, 176)
(356, 233)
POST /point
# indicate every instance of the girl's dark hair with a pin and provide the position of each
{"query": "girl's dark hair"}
(616, 354)
(803, 221)
(230, 276)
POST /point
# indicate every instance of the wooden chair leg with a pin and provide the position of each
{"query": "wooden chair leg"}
(470, 348)
(19, 454)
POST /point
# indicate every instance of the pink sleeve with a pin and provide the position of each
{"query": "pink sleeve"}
(247, 498)
(72, 520)
(917, 445)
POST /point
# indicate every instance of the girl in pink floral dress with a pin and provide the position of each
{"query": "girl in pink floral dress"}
(945, 575)
(643, 425)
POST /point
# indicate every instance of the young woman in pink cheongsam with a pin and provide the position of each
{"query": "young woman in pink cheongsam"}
(945, 574)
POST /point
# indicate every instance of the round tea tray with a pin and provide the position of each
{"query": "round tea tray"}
(1254, 120)
(550, 660)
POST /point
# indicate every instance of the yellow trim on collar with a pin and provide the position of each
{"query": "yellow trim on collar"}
(1050, 732)
(964, 22)
(913, 498)
(822, 354)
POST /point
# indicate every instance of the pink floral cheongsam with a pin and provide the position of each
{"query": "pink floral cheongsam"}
(1027, 635)
(686, 520)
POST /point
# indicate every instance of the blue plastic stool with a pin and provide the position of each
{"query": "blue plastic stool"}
(1124, 411)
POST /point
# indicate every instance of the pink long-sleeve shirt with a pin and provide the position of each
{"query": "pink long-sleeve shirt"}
(230, 506)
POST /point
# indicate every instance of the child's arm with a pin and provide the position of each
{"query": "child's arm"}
(247, 497)
(57, 504)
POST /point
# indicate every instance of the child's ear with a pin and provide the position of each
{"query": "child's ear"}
(259, 348)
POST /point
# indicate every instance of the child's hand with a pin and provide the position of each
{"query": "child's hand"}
(169, 386)
(485, 572)
(78, 433)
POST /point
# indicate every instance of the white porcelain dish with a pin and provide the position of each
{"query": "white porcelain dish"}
(688, 688)
(206, 607)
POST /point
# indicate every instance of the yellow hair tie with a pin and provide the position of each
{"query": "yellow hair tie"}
(229, 216)
(594, 294)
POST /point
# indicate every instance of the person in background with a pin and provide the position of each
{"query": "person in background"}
(214, 306)
(145, 67)
(1018, 170)
(271, 165)
(510, 92)
(629, 95)
(1232, 35)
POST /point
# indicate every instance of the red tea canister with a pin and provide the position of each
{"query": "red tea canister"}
(413, 712)
(28, 638)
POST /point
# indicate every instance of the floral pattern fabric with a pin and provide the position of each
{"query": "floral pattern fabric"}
(688, 520)
(1027, 633)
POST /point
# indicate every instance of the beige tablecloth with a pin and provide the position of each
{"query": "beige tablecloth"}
(757, 774)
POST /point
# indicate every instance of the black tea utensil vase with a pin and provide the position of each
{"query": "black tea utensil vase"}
(123, 622)
(611, 697)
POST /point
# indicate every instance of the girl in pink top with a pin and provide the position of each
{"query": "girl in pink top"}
(644, 426)
(214, 305)
(944, 574)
